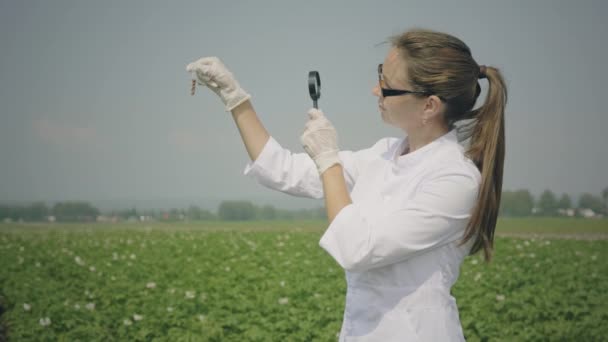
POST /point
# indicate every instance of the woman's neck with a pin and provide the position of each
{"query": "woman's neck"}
(420, 138)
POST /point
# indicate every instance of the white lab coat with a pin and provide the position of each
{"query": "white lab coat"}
(397, 241)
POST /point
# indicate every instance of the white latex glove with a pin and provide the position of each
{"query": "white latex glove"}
(320, 140)
(211, 72)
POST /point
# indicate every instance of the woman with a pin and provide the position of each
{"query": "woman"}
(405, 212)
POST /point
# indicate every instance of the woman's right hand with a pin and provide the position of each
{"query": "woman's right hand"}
(211, 72)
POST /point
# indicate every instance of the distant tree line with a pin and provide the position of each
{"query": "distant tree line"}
(245, 210)
(513, 203)
(522, 203)
(70, 211)
(82, 211)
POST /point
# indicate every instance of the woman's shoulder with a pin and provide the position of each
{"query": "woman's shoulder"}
(451, 158)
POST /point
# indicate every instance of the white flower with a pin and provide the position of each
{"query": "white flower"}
(27, 307)
(92, 268)
(227, 268)
(137, 317)
(79, 261)
(132, 256)
(127, 322)
(500, 297)
(283, 300)
(282, 283)
(190, 294)
(547, 242)
(169, 309)
(151, 285)
(45, 321)
(474, 261)
(77, 306)
(201, 317)
(90, 306)
(477, 276)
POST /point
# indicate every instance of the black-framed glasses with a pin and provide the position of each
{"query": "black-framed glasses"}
(393, 92)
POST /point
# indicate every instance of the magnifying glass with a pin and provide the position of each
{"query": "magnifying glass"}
(314, 87)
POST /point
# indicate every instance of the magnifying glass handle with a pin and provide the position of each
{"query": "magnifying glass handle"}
(314, 87)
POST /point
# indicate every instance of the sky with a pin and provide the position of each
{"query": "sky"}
(95, 101)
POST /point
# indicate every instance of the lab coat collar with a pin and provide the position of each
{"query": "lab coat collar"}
(413, 158)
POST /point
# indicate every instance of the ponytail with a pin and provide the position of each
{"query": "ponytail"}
(487, 151)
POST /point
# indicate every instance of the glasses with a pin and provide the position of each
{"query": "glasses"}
(394, 92)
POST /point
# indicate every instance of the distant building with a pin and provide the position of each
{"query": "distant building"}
(566, 212)
(586, 213)
(103, 218)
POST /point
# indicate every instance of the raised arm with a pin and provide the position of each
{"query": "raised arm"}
(212, 73)
(252, 131)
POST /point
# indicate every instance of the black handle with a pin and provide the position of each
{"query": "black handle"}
(314, 87)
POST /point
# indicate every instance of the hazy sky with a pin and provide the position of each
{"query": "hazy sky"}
(95, 101)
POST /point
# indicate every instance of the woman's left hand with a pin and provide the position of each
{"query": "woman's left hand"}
(320, 140)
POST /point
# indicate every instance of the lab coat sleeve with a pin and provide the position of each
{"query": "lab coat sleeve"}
(296, 173)
(437, 214)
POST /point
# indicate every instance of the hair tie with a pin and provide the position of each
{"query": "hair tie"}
(482, 71)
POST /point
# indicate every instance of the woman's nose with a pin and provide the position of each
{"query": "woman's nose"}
(376, 90)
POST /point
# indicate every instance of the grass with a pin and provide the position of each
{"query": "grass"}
(269, 281)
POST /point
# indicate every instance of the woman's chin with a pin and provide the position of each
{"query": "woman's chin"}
(383, 115)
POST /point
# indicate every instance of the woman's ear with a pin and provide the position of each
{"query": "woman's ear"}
(433, 107)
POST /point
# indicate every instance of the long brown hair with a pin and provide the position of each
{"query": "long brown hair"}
(442, 64)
